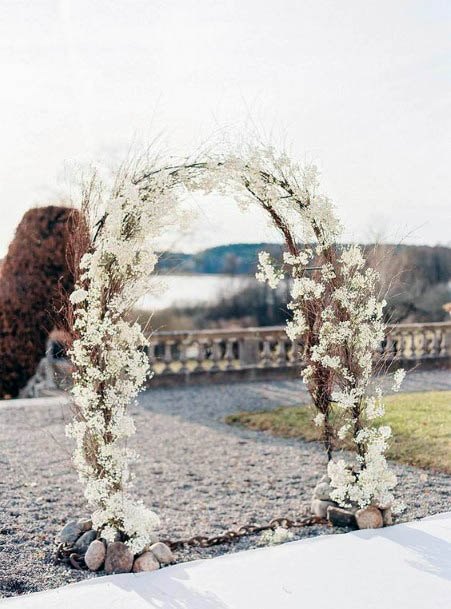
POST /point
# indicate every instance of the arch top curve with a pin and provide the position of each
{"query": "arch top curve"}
(285, 190)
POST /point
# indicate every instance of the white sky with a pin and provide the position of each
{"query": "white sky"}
(362, 87)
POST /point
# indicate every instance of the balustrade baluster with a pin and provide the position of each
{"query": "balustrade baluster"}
(201, 357)
(265, 357)
(443, 346)
(426, 344)
(410, 345)
(397, 345)
(167, 357)
(435, 343)
(182, 348)
(402, 344)
(216, 354)
(229, 353)
(390, 347)
(417, 344)
(282, 353)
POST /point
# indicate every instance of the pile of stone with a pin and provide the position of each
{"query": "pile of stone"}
(371, 517)
(78, 539)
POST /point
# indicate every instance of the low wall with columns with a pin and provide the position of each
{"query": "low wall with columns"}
(207, 356)
(224, 356)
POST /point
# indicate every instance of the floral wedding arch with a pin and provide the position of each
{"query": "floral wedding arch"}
(336, 319)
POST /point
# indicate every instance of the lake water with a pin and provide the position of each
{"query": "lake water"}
(182, 290)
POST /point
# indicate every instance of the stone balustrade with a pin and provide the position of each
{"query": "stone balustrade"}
(250, 353)
(206, 356)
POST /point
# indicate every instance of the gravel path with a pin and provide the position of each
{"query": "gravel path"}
(199, 474)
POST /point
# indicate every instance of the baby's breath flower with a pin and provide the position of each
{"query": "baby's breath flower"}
(78, 296)
(276, 536)
(398, 378)
(319, 419)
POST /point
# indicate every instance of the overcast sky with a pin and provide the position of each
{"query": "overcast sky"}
(361, 87)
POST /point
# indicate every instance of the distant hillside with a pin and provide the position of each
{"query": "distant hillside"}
(432, 264)
(233, 259)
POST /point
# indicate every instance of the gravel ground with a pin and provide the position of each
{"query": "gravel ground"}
(199, 474)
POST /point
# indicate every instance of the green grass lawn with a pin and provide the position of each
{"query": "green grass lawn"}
(421, 424)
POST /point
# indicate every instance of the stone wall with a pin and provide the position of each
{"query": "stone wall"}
(223, 356)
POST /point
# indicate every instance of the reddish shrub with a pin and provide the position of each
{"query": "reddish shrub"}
(35, 282)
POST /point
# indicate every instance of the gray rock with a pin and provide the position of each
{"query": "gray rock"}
(387, 517)
(146, 562)
(95, 555)
(85, 524)
(322, 491)
(153, 538)
(70, 532)
(162, 553)
(319, 507)
(341, 517)
(82, 544)
(384, 506)
(119, 558)
(369, 518)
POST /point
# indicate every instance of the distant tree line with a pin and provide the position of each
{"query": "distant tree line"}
(432, 262)
(414, 279)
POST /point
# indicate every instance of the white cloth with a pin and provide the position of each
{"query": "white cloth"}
(407, 566)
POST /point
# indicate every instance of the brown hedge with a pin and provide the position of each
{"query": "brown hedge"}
(35, 280)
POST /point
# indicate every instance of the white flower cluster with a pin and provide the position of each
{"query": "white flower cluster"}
(369, 482)
(398, 378)
(109, 355)
(276, 536)
(338, 320)
(267, 271)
